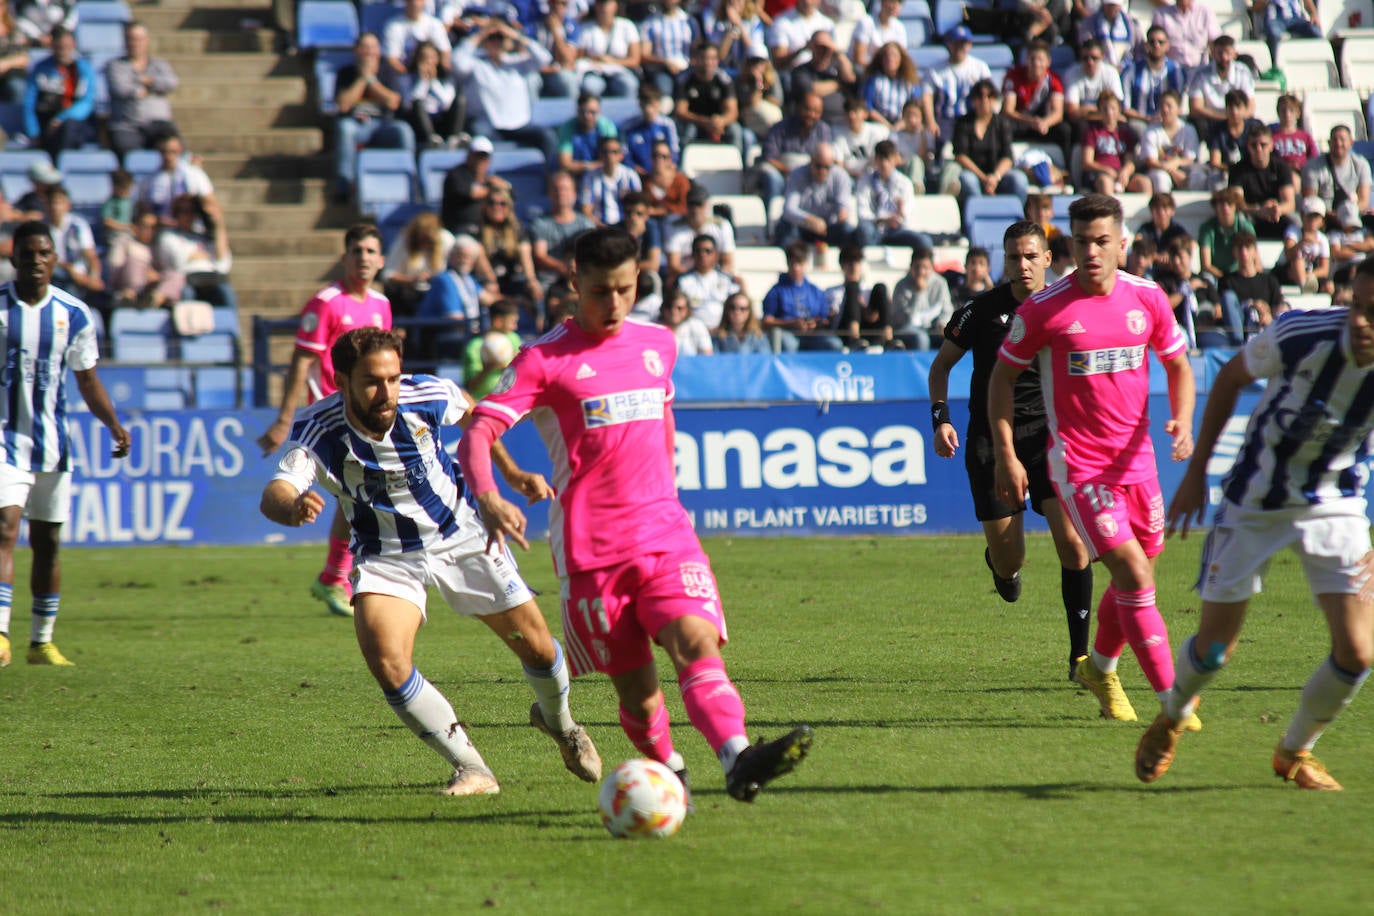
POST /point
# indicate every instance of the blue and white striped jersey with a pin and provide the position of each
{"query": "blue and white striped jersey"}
(42, 340)
(1308, 440)
(400, 494)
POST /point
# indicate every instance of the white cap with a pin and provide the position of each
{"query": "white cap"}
(480, 145)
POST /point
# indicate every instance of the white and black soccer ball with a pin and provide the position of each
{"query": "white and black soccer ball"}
(642, 798)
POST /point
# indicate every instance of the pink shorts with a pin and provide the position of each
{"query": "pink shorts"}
(611, 614)
(1107, 515)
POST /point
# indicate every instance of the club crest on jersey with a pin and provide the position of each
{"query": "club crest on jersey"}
(296, 460)
(309, 322)
(623, 407)
(1135, 321)
(1106, 526)
(506, 382)
(653, 363)
(1018, 330)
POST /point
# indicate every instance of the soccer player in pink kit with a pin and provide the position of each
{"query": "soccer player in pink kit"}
(340, 307)
(1088, 335)
(599, 390)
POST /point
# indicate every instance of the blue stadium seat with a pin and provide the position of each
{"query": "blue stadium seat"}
(139, 336)
(14, 171)
(381, 193)
(987, 233)
(141, 163)
(435, 164)
(948, 14)
(620, 110)
(373, 17)
(1365, 148)
(530, 187)
(929, 57)
(103, 11)
(918, 31)
(911, 9)
(553, 112)
(12, 118)
(388, 160)
(393, 219)
(215, 347)
(516, 158)
(996, 56)
(166, 389)
(88, 189)
(327, 65)
(102, 161)
(997, 206)
(326, 24)
(100, 38)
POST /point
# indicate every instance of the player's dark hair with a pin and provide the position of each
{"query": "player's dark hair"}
(1090, 207)
(359, 342)
(1023, 228)
(31, 228)
(359, 231)
(604, 249)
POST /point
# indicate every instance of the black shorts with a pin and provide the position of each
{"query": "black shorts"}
(1030, 445)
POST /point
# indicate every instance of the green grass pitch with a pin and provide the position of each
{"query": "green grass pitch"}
(221, 748)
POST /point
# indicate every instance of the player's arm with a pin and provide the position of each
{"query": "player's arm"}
(1190, 500)
(502, 518)
(1182, 398)
(1010, 475)
(284, 504)
(529, 484)
(946, 436)
(98, 400)
(301, 362)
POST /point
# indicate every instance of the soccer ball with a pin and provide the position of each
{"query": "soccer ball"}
(497, 351)
(642, 798)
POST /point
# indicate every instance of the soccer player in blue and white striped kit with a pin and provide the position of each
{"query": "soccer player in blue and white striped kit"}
(1298, 482)
(375, 445)
(45, 331)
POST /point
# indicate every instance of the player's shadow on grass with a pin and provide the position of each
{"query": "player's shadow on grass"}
(578, 819)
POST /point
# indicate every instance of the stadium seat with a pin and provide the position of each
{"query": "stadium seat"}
(103, 11)
(996, 56)
(326, 68)
(512, 159)
(1257, 51)
(529, 184)
(94, 38)
(140, 336)
(940, 217)
(385, 160)
(918, 31)
(620, 110)
(215, 347)
(716, 166)
(14, 171)
(1344, 17)
(553, 112)
(141, 163)
(948, 14)
(435, 164)
(764, 260)
(987, 233)
(381, 193)
(911, 9)
(87, 161)
(1357, 63)
(1364, 148)
(373, 17)
(1320, 123)
(326, 24)
(929, 57)
(748, 217)
(88, 190)
(1006, 206)
(12, 118)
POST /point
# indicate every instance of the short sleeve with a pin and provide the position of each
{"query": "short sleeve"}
(958, 329)
(297, 466)
(518, 390)
(1025, 338)
(1166, 339)
(313, 333)
(83, 351)
(1262, 354)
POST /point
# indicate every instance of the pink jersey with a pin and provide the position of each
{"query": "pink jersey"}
(330, 313)
(1095, 375)
(601, 406)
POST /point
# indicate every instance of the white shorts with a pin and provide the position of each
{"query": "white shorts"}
(1329, 541)
(47, 495)
(471, 581)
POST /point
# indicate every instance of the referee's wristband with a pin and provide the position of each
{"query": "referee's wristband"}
(939, 414)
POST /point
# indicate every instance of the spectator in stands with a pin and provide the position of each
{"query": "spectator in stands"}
(862, 310)
(1267, 183)
(977, 277)
(418, 253)
(174, 176)
(982, 151)
(737, 29)
(921, 304)
(1250, 289)
(1161, 228)
(889, 82)
(136, 279)
(430, 104)
(1216, 233)
(140, 112)
(1147, 77)
(43, 177)
(666, 186)
(1061, 259)
(1191, 28)
(483, 363)
(1109, 151)
(78, 268)
(706, 286)
(1113, 28)
(14, 59)
(681, 233)
(828, 74)
(789, 40)
(652, 126)
(916, 145)
(1351, 243)
(1083, 95)
(580, 138)
(117, 213)
(759, 94)
(510, 254)
(60, 97)
(1039, 209)
(885, 199)
(818, 204)
(1033, 100)
(705, 102)
(646, 231)
(1174, 276)
(403, 34)
(790, 143)
(38, 19)
(203, 258)
(739, 330)
(458, 295)
(692, 334)
(667, 39)
(1306, 258)
(953, 83)
(602, 189)
(556, 33)
(1228, 139)
(1340, 175)
(1292, 143)
(553, 234)
(1140, 259)
(857, 140)
(796, 311)
(1297, 18)
(610, 52)
(873, 32)
(368, 96)
(494, 67)
(1169, 150)
(1212, 85)
(466, 186)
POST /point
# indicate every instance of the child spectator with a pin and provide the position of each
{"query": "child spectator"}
(78, 266)
(692, 335)
(1061, 259)
(1306, 260)
(1292, 144)
(1162, 228)
(117, 213)
(1109, 148)
(862, 311)
(1140, 260)
(1215, 236)
(649, 129)
(1169, 150)
(739, 330)
(1190, 297)
(856, 142)
(1039, 209)
(1250, 289)
(430, 104)
(888, 208)
(914, 143)
(1351, 243)
(977, 276)
(921, 304)
(1230, 137)
(484, 360)
(603, 188)
(796, 310)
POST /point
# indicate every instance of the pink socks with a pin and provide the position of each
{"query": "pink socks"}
(713, 704)
(338, 564)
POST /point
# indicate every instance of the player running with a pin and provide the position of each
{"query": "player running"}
(349, 303)
(375, 445)
(1297, 482)
(599, 390)
(1087, 335)
(981, 326)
